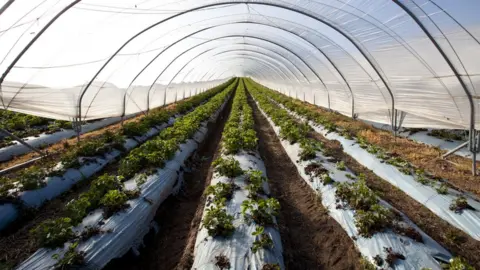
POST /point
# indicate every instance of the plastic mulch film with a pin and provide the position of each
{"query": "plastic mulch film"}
(93, 59)
(424, 254)
(127, 229)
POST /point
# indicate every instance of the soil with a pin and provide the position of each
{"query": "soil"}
(311, 238)
(56, 149)
(179, 216)
(16, 242)
(455, 240)
(456, 170)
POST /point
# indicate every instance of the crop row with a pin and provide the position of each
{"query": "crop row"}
(239, 227)
(410, 157)
(37, 184)
(24, 125)
(455, 207)
(367, 219)
(117, 192)
(75, 156)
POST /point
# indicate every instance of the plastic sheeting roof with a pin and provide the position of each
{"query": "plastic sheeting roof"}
(100, 58)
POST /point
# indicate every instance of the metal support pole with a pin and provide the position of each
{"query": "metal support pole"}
(474, 146)
(18, 139)
(395, 123)
(472, 131)
(6, 6)
(455, 149)
(474, 164)
(77, 127)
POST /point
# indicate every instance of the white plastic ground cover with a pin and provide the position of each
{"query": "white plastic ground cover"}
(237, 248)
(130, 226)
(11, 151)
(467, 221)
(417, 255)
(423, 137)
(57, 185)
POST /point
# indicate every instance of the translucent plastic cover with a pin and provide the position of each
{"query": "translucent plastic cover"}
(98, 58)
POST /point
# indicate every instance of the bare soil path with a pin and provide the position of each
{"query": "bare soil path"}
(179, 216)
(311, 239)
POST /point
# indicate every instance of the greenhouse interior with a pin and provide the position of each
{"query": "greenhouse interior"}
(249, 135)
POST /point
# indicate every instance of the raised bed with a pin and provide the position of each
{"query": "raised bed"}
(424, 136)
(434, 195)
(44, 139)
(237, 188)
(125, 229)
(387, 245)
(52, 186)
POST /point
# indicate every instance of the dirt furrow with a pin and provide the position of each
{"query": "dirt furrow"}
(179, 216)
(455, 240)
(311, 239)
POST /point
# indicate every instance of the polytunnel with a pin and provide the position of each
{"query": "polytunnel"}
(273, 89)
(376, 60)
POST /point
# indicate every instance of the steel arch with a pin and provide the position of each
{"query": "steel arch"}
(229, 36)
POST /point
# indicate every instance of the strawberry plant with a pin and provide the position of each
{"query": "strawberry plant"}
(114, 201)
(32, 178)
(71, 258)
(341, 166)
(309, 149)
(228, 167)
(239, 130)
(292, 131)
(459, 204)
(255, 181)
(105, 183)
(442, 189)
(250, 139)
(131, 164)
(261, 211)
(271, 266)
(78, 209)
(53, 233)
(376, 219)
(262, 241)
(370, 217)
(326, 179)
(231, 140)
(458, 263)
(218, 222)
(357, 195)
(221, 190)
